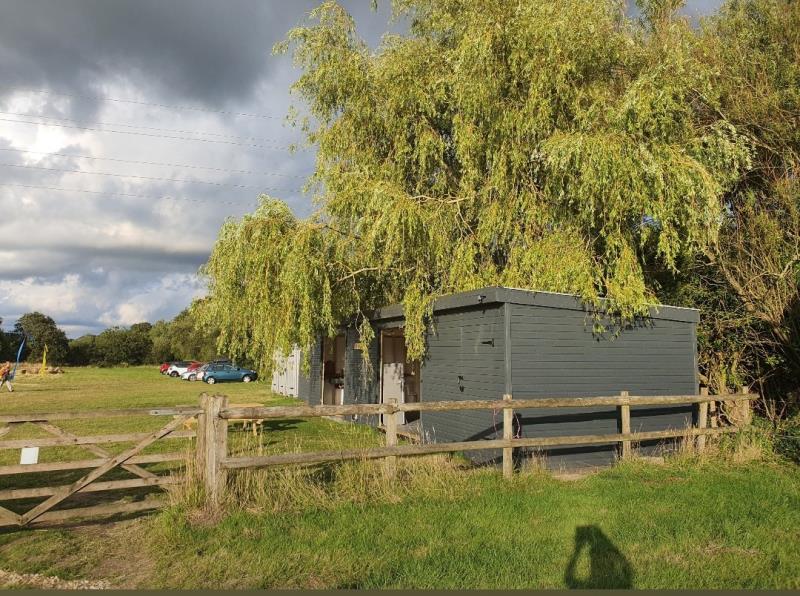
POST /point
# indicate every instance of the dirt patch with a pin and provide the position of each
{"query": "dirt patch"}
(714, 549)
(573, 474)
(9, 579)
(102, 555)
(126, 560)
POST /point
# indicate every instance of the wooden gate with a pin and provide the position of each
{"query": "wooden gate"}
(130, 459)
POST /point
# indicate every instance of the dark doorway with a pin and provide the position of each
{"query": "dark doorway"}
(333, 350)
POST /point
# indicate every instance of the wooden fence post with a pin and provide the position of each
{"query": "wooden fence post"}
(200, 440)
(713, 411)
(746, 408)
(702, 420)
(739, 411)
(390, 422)
(625, 425)
(508, 434)
(212, 444)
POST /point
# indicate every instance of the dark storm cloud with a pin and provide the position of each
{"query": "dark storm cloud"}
(209, 52)
(55, 259)
(94, 260)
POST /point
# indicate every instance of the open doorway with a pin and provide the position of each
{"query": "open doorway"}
(333, 349)
(400, 378)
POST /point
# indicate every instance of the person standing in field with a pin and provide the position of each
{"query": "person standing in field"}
(5, 376)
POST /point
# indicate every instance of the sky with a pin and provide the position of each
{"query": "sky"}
(129, 131)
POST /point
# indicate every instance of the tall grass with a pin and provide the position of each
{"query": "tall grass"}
(302, 488)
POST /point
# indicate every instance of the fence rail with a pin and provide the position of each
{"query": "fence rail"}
(442, 406)
(214, 461)
(89, 414)
(129, 460)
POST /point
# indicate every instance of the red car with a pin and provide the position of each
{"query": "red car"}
(163, 368)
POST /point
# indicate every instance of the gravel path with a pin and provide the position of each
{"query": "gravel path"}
(9, 579)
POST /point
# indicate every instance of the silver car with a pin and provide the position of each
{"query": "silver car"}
(195, 375)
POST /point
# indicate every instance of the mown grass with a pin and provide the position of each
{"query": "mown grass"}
(729, 519)
(83, 389)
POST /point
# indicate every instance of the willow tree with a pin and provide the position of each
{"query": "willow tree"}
(547, 144)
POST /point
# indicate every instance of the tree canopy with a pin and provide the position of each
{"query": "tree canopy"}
(42, 331)
(553, 145)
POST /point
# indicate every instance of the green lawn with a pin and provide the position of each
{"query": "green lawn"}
(83, 389)
(719, 522)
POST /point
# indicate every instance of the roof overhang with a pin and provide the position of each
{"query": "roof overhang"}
(494, 295)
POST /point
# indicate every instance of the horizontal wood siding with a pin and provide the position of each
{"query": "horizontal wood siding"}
(556, 352)
(361, 380)
(304, 379)
(460, 344)
(310, 385)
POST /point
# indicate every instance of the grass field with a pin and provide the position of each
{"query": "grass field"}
(717, 522)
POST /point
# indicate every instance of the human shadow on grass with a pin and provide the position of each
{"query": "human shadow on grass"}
(608, 567)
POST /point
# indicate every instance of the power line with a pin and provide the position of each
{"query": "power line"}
(121, 194)
(155, 163)
(155, 178)
(147, 103)
(170, 130)
(146, 134)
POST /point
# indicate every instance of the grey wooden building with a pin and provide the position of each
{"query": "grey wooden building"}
(494, 341)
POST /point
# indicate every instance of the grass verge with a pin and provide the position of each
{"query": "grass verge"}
(727, 518)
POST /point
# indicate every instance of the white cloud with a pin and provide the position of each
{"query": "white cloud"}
(53, 298)
(148, 305)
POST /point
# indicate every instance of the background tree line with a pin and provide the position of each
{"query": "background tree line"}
(141, 343)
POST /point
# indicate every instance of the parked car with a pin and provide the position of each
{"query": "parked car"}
(195, 374)
(163, 368)
(228, 372)
(176, 369)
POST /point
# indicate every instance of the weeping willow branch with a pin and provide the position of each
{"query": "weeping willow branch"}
(550, 145)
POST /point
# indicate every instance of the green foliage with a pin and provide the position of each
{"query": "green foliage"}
(550, 145)
(7, 349)
(787, 438)
(751, 272)
(186, 339)
(82, 351)
(161, 336)
(146, 343)
(42, 330)
(117, 345)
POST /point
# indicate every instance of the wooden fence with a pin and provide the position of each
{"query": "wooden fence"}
(214, 460)
(129, 459)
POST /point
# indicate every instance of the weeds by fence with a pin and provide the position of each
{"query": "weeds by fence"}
(213, 460)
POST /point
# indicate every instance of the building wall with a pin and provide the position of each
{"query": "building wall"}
(309, 386)
(465, 361)
(554, 352)
(361, 379)
(361, 385)
(304, 385)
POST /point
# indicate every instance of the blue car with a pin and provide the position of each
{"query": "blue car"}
(228, 372)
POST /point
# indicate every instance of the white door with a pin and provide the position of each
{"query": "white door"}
(392, 372)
